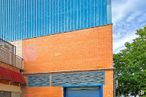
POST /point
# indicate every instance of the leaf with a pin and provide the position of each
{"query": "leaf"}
(130, 65)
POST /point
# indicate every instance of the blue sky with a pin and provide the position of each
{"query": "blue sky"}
(128, 16)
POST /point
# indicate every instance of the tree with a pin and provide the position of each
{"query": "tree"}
(130, 66)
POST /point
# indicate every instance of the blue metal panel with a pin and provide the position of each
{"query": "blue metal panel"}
(109, 13)
(74, 79)
(101, 90)
(22, 19)
(78, 78)
(38, 80)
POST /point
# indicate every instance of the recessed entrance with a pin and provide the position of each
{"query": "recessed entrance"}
(82, 92)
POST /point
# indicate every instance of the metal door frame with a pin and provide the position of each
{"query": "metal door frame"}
(85, 85)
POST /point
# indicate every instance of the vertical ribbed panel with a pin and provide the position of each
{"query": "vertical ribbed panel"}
(20, 19)
(109, 13)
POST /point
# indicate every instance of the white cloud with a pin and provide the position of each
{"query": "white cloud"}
(119, 43)
(122, 7)
(128, 16)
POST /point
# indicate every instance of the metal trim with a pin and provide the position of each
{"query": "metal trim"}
(86, 85)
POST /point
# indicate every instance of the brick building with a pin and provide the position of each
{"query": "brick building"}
(66, 46)
(11, 79)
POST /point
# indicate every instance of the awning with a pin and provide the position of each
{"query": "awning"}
(10, 75)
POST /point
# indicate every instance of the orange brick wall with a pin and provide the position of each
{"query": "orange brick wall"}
(44, 92)
(108, 87)
(87, 49)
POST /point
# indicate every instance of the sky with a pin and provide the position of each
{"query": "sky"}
(127, 17)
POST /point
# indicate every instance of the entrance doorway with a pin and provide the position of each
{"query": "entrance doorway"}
(82, 92)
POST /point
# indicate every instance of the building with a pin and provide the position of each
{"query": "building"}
(11, 79)
(66, 45)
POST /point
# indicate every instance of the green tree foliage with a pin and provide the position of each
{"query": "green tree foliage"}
(130, 65)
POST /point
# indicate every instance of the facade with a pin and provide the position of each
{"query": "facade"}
(66, 46)
(11, 79)
(79, 58)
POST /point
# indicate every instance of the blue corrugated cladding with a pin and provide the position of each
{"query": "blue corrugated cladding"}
(20, 19)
